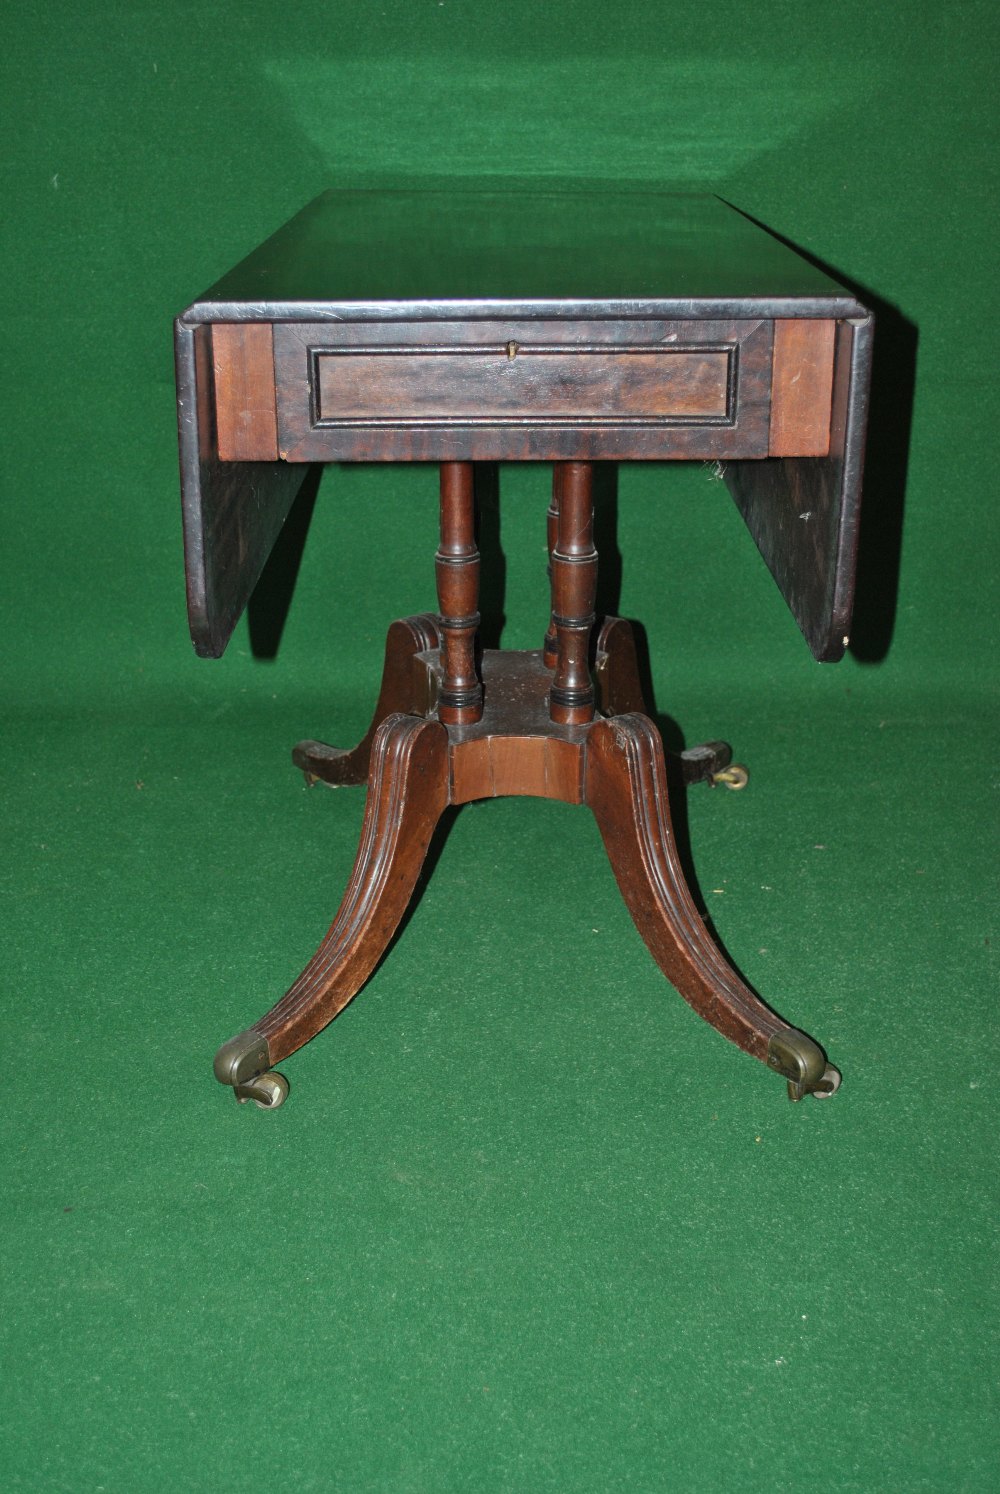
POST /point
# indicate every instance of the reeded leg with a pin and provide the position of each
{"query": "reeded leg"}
(407, 790)
(616, 670)
(619, 691)
(537, 735)
(627, 791)
(404, 690)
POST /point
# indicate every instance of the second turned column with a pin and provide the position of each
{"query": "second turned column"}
(574, 591)
(460, 702)
(550, 651)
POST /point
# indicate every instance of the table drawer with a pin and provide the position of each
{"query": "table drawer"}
(521, 391)
(514, 384)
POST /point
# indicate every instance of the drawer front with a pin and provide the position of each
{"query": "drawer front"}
(514, 385)
(487, 391)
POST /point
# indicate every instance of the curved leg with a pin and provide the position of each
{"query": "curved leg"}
(404, 689)
(627, 791)
(407, 790)
(616, 670)
(619, 693)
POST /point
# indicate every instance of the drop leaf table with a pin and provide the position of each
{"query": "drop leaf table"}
(559, 327)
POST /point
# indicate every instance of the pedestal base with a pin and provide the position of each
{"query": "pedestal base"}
(415, 766)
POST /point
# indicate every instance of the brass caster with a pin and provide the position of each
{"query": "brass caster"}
(267, 1091)
(734, 777)
(243, 1063)
(700, 764)
(829, 1084)
(803, 1063)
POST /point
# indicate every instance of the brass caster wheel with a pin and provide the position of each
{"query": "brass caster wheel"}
(242, 1063)
(829, 1084)
(734, 777)
(267, 1091)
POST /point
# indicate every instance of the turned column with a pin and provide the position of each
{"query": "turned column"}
(460, 701)
(550, 649)
(574, 590)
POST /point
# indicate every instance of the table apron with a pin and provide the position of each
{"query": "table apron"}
(532, 391)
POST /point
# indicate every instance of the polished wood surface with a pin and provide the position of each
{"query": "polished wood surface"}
(614, 765)
(407, 790)
(671, 329)
(524, 728)
(804, 512)
(573, 563)
(802, 388)
(627, 792)
(483, 389)
(518, 382)
(233, 512)
(513, 750)
(551, 535)
(515, 382)
(539, 326)
(406, 690)
(460, 699)
(243, 368)
(575, 246)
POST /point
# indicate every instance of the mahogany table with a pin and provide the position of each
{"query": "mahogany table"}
(553, 327)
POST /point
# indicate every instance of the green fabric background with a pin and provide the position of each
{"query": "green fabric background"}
(525, 1222)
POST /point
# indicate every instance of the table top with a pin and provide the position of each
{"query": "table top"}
(545, 252)
(594, 289)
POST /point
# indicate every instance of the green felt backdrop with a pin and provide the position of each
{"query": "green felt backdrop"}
(538, 1228)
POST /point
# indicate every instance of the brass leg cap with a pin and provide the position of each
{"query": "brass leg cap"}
(803, 1063)
(241, 1058)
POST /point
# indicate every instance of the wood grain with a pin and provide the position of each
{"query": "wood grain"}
(549, 649)
(546, 390)
(615, 766)
(407, 791)
(405, 690)
(802, 387)
(532, 384)
(627, 791)
(574, 588)
(616, 670)
(233, 511)
(538, 767)
(456, 566)
(243, 368)
(804, 512)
